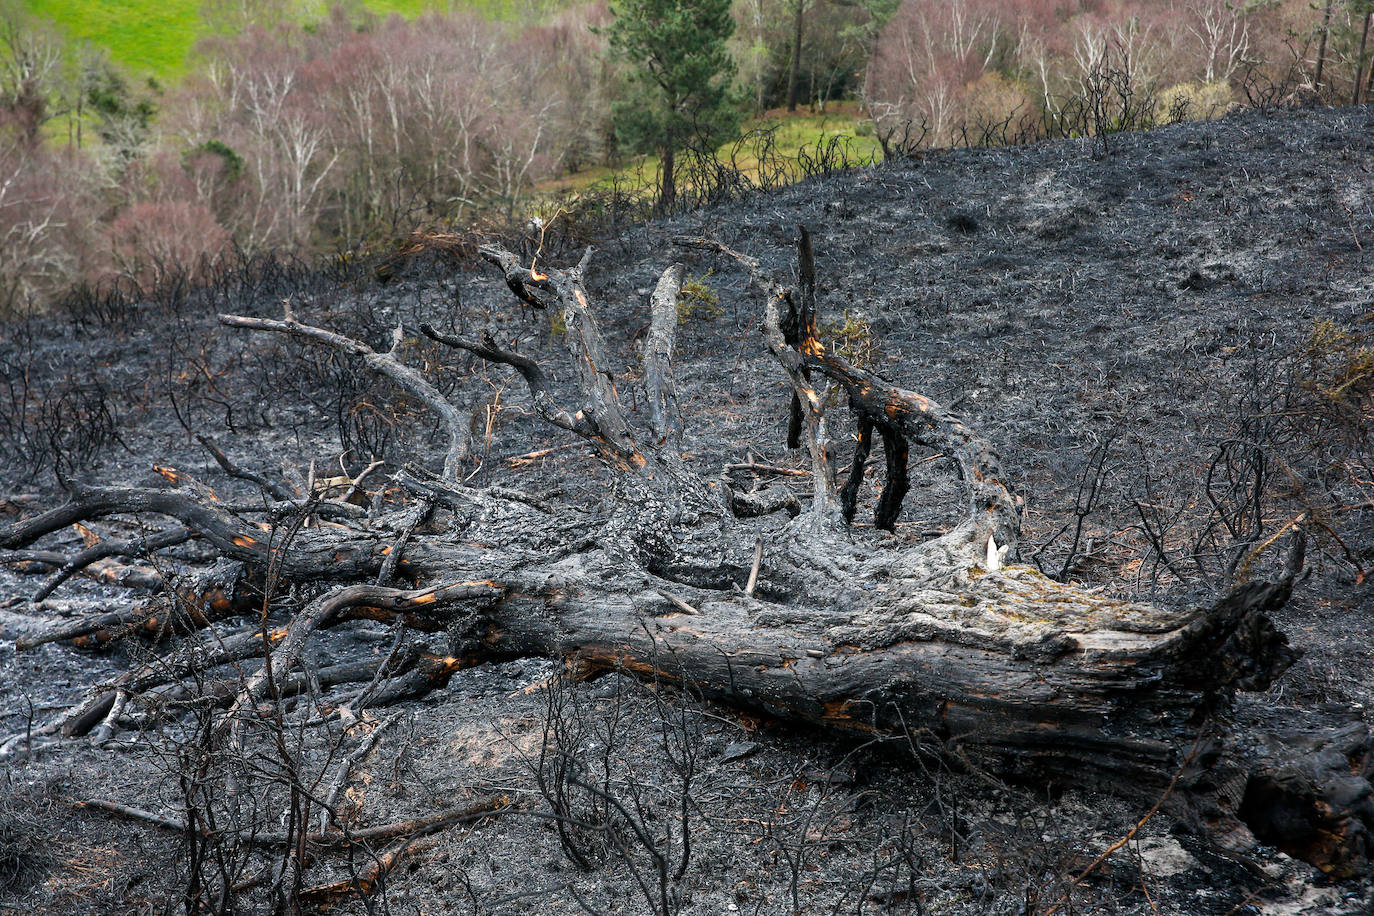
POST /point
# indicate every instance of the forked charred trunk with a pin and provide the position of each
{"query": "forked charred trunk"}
(754, 601)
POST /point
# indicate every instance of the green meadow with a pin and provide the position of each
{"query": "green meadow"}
(150, 37)
(153, 37)
(804, 133)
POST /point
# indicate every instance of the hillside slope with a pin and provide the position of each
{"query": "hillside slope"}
(1146, 334)
(153, 38)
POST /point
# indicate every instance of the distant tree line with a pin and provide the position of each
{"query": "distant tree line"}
(947, 64)
(351, 130)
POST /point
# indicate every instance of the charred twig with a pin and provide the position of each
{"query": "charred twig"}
(84, 626)
(329, 808)
(210, 520)
(459, 497)
(1085, 501)
(677, 602)
(165, 821)
(364, 884)
(1155, 534)
(276, 490)
(108, 724)
(543, 453)
(355, 484)
(430, 823)
(529, 370)
(328, 509)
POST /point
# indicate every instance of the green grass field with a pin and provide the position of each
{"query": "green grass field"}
(793, 135)
(150, 38)
(153, 37)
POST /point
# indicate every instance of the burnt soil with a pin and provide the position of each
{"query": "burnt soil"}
(1126, 316)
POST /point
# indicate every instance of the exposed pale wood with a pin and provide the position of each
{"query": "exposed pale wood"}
(665, 416)
(754, 569)
(756, 468)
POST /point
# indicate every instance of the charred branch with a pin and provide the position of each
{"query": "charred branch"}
(385, 364)
(103, 570)
(288, 651)
(863, 445)
(530, 371)
(903, 417)
(141, 548)
(601, 411)
(270, 487)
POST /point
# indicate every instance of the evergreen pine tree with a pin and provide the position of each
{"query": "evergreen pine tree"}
(679, 79)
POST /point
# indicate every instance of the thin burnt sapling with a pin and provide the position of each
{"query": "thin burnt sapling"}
(844, 628)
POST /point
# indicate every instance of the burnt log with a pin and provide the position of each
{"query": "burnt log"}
(947, 643)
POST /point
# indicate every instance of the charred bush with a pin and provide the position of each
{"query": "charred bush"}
(61, 424)
(1287, 448)
(602, 799)
(901, 139)
(23, 839)
(1319, 431)
(1110, 101)
(97, 306)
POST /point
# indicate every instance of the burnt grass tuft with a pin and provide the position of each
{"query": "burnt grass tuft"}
(1169, 345)
(25, 856)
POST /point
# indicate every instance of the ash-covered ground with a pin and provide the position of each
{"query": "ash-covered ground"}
(1163, 340)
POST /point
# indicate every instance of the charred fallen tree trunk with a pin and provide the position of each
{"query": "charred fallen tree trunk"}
(751, 598)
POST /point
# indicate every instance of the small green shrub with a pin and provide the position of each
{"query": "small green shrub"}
(1339, 372)
(851, 338)
(696, 300)
(233, 162)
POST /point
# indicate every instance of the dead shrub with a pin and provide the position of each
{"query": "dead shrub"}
(22, 842)
(46, 229)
